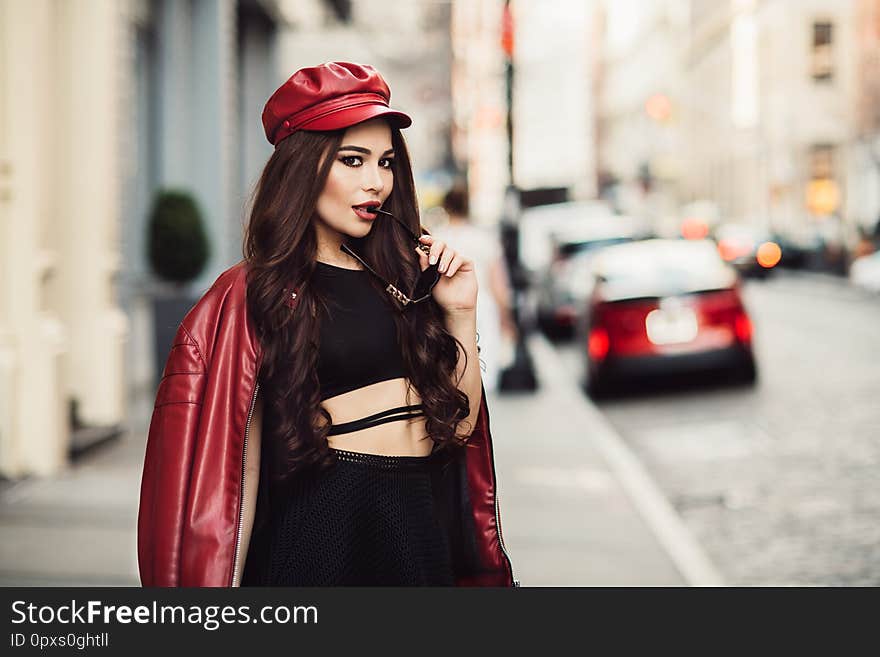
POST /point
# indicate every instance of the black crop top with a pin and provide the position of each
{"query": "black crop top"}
(359, 343)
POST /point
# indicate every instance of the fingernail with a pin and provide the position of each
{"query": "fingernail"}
(441, 268)
(433, 260)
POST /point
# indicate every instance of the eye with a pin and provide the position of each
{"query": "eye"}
(386, 162)
(351, 160)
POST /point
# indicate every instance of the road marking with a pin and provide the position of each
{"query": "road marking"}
(686, 553)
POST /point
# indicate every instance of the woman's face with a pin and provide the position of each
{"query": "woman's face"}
(360, 178)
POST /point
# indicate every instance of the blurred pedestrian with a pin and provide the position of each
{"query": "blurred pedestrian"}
(495, 322)
(273, 458)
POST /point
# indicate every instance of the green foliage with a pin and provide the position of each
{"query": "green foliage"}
(177, 246)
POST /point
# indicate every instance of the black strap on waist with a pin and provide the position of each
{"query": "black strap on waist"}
(390, 415)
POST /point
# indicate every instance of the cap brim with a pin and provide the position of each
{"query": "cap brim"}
(345, 118)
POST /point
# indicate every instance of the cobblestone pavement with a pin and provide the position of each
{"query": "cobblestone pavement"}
(780, 483)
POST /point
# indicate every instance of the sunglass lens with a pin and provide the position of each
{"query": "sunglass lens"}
(427, 280)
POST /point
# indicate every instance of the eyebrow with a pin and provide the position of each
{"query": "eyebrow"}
(365, 151)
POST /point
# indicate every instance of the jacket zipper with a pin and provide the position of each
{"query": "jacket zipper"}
(247, 427)
(501, 535)
(498, 508)
(497, 503)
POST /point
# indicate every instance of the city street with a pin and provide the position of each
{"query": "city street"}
(249, 162)
(778, 483)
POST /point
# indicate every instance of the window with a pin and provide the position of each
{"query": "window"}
(821, 54)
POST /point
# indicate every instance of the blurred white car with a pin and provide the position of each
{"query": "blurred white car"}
(864, 272)
(562, 288)
(538, 225)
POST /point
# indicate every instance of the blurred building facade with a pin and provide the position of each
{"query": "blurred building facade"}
(766, 108)
(553, 112)
(640, 132)
(62, 332)
(551, 99)
(479, 104)
(198, 74)
(776, 81)
(863, 162)
(103, 103)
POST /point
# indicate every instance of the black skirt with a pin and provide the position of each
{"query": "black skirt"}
(368, 520)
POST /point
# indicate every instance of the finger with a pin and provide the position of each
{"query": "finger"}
(425, 243)
(436, 251)
(423, 258)
(455, 265)
(445, 259)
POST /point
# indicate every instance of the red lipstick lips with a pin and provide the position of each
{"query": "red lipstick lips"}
(366, 210)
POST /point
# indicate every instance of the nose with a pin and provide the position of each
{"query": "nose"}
(373, 179)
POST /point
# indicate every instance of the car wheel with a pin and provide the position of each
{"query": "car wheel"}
(545, 325)
(596, 387)
(747, 372)
(556, 333)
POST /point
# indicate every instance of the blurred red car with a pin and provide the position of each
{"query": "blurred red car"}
(660, 307)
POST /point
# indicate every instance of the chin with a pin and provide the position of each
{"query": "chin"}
(361, 230)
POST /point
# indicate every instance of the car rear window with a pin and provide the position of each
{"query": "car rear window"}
(657, 268)
(572, 248)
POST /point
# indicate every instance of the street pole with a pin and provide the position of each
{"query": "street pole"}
(511, 208)
(507, 44)
(520, 375)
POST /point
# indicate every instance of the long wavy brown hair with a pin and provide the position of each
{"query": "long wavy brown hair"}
(280, 247)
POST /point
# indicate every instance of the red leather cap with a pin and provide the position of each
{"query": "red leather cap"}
(329, 97)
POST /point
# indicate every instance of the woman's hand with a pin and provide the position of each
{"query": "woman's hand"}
(456, 291)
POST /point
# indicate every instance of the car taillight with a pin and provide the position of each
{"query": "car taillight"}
(693, 228)
(598, 343)
(742, 326)
(724, 309)
(623, 326)
(732, 249)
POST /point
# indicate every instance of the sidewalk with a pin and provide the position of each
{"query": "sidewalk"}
(78, 528)
(576, 508)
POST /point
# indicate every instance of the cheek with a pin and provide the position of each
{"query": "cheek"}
(389, 185)
(336, 184)
(335, 189)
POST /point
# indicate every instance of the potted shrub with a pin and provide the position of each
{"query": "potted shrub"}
(177, 250)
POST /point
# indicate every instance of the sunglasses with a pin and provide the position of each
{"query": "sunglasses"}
(426, 281)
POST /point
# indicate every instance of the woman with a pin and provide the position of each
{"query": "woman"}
(321, 419)
(495, 324)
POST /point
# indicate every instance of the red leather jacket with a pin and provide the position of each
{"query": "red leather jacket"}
(189, 520)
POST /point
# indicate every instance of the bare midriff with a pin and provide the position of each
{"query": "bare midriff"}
(399, 438)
